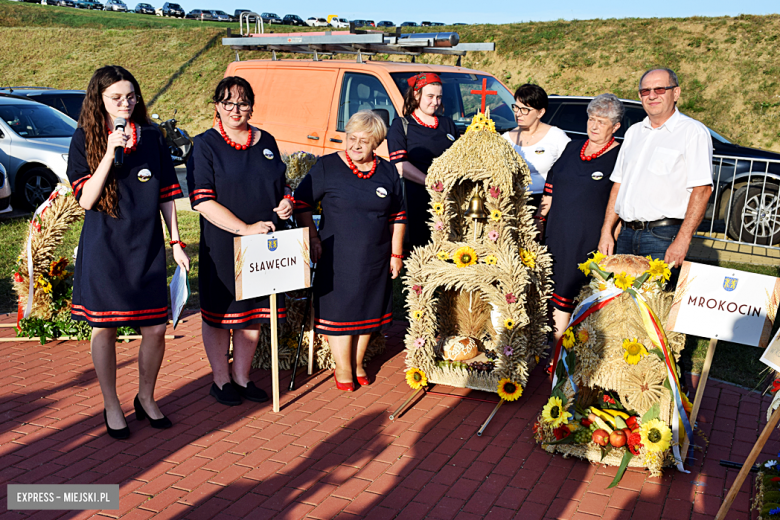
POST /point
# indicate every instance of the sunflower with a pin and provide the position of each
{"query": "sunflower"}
(43, 284)
(659, 269)
(417, 315)
(528, 258)
(597, 257)
(495, 215)
(584, 267)
(585, 334)
(438, 208)
(554, 414)
(416, 378)
(508, 390)
(491, 260)
(634, 351)
(509, 323)
(623, 281)
(443, 255)
(568, 338)
(656, 435)
(465, 256)
(57, 269)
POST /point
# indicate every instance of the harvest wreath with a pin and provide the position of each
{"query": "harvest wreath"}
(616, 393)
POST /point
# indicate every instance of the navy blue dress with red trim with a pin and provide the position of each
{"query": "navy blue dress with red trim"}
(250, 183)
(420, 146)
(353, 292)
(580, 193)
(120, 274)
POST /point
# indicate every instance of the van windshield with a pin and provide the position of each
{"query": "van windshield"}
(462, 105)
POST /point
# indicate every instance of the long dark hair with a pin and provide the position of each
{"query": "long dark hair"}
(411, 103)
(93, 121)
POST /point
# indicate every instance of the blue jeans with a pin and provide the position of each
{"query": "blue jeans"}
(653, 242)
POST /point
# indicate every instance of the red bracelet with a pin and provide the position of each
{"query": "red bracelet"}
(397, 256)
(182, 244)
(539, 217)
(290, 198)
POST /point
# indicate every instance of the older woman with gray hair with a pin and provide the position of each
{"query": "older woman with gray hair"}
(575, 199)
(359, 245)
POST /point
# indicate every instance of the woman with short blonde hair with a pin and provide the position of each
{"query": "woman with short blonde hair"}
(358, 248)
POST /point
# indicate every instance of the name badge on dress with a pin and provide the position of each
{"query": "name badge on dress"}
(144, 175)
(381, 192)
(539, 151)
(596, 176)
(268, 154)
(450, 137)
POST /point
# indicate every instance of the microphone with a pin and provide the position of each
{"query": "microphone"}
(119, 151)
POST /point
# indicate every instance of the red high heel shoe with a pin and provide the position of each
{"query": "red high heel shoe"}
(347, 387)
(363, 381)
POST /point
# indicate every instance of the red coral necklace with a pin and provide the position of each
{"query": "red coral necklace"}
(426, 125)
(600, 152)
(231, 142)
(361, 175)
(134, 130)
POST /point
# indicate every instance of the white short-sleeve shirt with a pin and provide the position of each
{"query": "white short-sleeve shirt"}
(657, 168)
(541, 156)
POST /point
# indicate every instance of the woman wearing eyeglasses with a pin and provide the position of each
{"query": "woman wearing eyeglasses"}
(236, 182)
(574, 203)
(538, 143)
(120, 272)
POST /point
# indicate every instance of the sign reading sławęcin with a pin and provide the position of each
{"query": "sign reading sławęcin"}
(725, 304)
(272, 263)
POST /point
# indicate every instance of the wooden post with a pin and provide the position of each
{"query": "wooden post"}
(705, 373)
(748, 465)
(274, 354)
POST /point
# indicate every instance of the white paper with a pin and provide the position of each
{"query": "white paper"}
(180, 293)
(771, 355)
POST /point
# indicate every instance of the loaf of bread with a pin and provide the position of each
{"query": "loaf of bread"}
(459, 348)
(630, 264)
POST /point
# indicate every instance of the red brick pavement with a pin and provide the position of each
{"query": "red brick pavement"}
(332, 454)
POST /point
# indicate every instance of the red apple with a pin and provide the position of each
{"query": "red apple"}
(628, 432)
(618, 438)
(600, 437)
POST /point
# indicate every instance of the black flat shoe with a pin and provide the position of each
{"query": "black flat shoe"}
(251, 392)
(226, 395)
(122, 433)
(141, 414)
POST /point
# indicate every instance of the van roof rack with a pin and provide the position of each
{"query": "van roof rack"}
(360, 43)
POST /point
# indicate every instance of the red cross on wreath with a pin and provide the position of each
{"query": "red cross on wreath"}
(484, 93)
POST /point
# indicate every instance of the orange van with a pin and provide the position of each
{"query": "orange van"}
(305, 104)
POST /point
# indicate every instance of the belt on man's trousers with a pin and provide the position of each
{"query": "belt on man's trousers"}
(638, 225)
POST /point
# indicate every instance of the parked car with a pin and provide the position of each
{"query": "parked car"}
(5, 191)
(316, 22)
(66, 101)
(115, 5)
(237, 15)
(34, 143)
(359, 23)
(200, 14)
(271, 18)
(221, 16)
(385, 23)
(314, 118)
(460, 23)
(370, 23)
(425, 24)
(409, 24)
(743, 176)
(144, 9)
(293, 19)
(170, 9)
(437, 24)
(339, 23)
(89, 4)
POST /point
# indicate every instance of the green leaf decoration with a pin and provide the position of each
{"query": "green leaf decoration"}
(627, 456)
(667, 385)
(658, 352)
(565, 440)
(558, 392)
(639, 281)
(560, 372)
(605, 450)
(571, 361)
(653, 413)
(603, 274)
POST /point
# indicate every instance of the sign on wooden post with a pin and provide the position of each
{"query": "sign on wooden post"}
(267, 265)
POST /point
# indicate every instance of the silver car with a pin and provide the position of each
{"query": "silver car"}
(34, 143)
(5, 191)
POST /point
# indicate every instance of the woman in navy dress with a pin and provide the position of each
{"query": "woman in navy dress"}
(359, 246)
(576, 193)
(415, 144)
(236, 181)
(120, 272)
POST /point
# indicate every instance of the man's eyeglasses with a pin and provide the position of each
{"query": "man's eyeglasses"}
(523, 110)
(229, 106)
(658, 90)
(117, 100)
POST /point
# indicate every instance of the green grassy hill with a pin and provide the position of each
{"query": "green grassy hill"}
(729, 68)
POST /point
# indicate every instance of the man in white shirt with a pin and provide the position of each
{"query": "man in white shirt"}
(662, 178)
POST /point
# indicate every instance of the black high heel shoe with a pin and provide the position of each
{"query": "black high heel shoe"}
(122, 433)
(141, 414)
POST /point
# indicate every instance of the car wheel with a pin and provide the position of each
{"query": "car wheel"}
(34, 187)
(755, 213)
